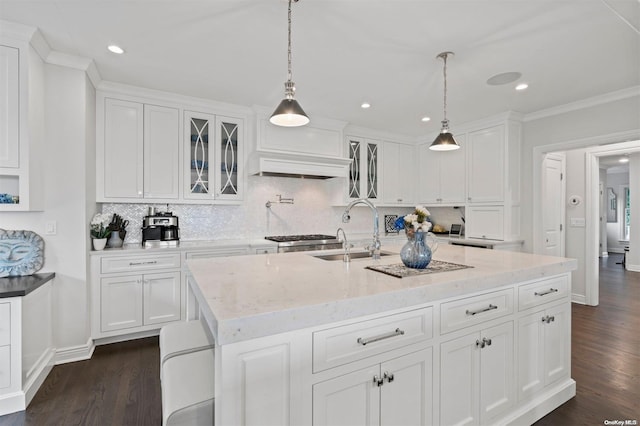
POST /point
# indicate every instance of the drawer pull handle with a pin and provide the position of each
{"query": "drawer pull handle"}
(148, 262)
(551, 290)
(396, 332)
(479, 311)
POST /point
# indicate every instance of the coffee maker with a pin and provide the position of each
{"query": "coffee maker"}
(160, 229)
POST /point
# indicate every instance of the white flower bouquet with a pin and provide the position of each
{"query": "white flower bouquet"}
(416, 221)
(100, 225)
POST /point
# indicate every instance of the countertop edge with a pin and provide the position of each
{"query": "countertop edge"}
(22, 286)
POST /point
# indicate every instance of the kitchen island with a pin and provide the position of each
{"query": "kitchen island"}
(302, 340)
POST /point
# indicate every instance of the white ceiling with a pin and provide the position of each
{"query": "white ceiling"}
(349, 51)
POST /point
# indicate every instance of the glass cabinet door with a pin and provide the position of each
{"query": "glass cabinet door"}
(198, 178)
(229, 158)
(363, 172)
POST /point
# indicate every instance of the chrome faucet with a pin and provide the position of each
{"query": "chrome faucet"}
(345, 245)
(374, 250)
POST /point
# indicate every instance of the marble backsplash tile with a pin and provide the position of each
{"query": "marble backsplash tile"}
(311, 212)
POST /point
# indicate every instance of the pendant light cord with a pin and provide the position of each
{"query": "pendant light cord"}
(289, 74)
(444, 58)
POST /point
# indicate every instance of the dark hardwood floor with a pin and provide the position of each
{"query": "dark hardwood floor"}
(120, 385)
(605, 353)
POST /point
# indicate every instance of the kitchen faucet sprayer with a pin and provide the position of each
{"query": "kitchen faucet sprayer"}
(346, 257)
(374, 249)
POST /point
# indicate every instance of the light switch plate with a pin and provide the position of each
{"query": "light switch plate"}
(51, 227)
(577, 222)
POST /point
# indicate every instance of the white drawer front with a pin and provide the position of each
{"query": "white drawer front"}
(113, 264)
(5, 366)
(5, 324)
(343, 344)
(474, 310)
(539, 292)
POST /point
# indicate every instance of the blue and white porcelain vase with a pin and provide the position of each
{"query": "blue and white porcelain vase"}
(417, 252)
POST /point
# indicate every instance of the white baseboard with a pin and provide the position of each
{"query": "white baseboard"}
(543, 404)
(604, 254)
(37, 374)
(633, 268)
(125, 337)
(580, 299)
(616, 250)
(75, 353)
(12, 402)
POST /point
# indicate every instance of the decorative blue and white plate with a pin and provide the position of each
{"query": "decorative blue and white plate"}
(21, 253)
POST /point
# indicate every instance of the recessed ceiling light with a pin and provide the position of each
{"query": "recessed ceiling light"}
(365, 105)
(115, 49)
(425, 119)
(504, 78)
(624, 160)
(522, 86)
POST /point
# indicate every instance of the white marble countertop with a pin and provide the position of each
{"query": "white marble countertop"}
(186, 246)
(245, 297)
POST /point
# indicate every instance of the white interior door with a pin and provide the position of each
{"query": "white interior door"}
(553, 209)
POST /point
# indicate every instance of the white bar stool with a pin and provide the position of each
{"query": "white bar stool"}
(182, 338)
(188, 389)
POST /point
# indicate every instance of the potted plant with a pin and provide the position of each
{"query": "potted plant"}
(100, 230)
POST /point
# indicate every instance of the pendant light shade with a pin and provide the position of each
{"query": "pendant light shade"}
(444, 141)
(289, 113)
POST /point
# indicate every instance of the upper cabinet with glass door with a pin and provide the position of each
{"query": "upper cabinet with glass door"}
(213, 151)
(364, 168)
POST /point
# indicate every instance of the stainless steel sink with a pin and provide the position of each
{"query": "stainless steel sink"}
(357, 255)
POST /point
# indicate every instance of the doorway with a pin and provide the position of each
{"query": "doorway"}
(596, 147)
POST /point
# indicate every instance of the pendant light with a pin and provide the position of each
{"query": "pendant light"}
(445, 140)
(289, 113)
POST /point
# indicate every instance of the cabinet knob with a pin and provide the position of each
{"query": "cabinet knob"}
(486, 341)
(378, 381)
(388, 376)
(480, 344)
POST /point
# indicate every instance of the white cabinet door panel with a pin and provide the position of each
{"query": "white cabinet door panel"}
(123, 149)
(486, 222)
(121, 302)
(352, 399)
(5, 366)
(161, 152)
(5, 324)
(557, 349)
(496, 372)
(407, 394)
(530, 355)
(453, 173)
(9, 107)
(459, 381)
(162, 293)
(486, 165)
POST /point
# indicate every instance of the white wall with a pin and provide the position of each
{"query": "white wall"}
(69, 141)
(615, 180)
(563, 130)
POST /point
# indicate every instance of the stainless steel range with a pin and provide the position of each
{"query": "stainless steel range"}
(289, 243)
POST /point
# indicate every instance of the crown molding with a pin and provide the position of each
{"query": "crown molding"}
(76, 62)
(585, 103)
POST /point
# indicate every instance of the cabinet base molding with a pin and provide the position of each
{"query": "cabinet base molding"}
(18, 401)
(578, 298)
(125, 337)
(75, 353)
(543, 404)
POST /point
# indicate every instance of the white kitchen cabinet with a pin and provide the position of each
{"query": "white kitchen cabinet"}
(213, 154)
(364, 170)
(543, 349)
(9, 107)
(394, 392)
(486, 222)
(21, 121)
(398, 175)
(486, 168)
(135, 293)
(139, 154)
(442, 175)
(477, 376)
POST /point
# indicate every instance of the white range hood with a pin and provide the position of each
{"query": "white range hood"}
(297, 166)
(314, 151)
